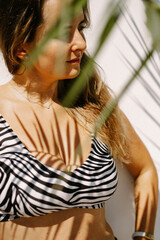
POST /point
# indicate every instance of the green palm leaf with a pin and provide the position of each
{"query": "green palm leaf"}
(115, 12)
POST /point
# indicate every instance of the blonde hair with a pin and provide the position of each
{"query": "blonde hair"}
(18, 24)
(88, 107)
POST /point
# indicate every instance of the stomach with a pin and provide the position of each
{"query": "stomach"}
(71, 224)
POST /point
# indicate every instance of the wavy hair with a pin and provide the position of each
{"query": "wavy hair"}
(19, 20)
(88, 106)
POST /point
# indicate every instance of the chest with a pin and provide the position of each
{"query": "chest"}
(52, 136)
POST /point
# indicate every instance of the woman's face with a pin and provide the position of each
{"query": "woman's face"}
(61, 58)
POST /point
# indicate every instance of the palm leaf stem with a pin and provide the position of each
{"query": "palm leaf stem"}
(147, 87)
(82, 80)
(140, 58)
(110, 106)
(139, 37)
(146, 111)
(69, 11)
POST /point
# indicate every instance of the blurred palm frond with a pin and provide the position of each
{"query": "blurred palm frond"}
(116, 10)
(152, 68)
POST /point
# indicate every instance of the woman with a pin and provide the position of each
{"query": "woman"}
(48, 188)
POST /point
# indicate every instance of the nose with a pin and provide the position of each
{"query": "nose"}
(78, 41)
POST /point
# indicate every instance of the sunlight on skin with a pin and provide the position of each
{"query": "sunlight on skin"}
(58, 54)
(74, 223)
(51, 132)
(57, 62)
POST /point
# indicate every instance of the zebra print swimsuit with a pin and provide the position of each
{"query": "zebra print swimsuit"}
(29, 188)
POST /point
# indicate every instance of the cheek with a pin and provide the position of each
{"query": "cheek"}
(54, 56)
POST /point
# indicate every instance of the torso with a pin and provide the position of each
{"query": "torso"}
(52, 136)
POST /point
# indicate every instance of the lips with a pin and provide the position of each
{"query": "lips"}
(74, 61)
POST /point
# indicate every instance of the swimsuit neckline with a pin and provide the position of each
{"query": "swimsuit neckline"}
(94, 140)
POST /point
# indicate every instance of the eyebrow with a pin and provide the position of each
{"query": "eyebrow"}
(78, 20)
(80, 16)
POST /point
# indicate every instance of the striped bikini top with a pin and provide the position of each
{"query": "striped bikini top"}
(30, 188)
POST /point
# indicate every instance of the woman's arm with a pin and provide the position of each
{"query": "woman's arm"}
(143, 170)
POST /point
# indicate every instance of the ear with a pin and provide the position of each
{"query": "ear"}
(22, 51)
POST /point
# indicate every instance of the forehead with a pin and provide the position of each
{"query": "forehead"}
(52, 10)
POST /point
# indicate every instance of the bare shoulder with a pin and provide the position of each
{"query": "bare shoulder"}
(6, 97)
(139, 156)
(131, 135)
(4, 90)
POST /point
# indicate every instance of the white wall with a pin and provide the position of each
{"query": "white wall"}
(120, 209)
(4, 75)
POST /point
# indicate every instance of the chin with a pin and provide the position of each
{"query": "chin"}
(73, 74)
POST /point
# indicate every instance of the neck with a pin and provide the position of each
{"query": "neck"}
(36, 88)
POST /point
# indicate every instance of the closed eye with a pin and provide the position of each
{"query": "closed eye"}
(82, 25)
(68, 30)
